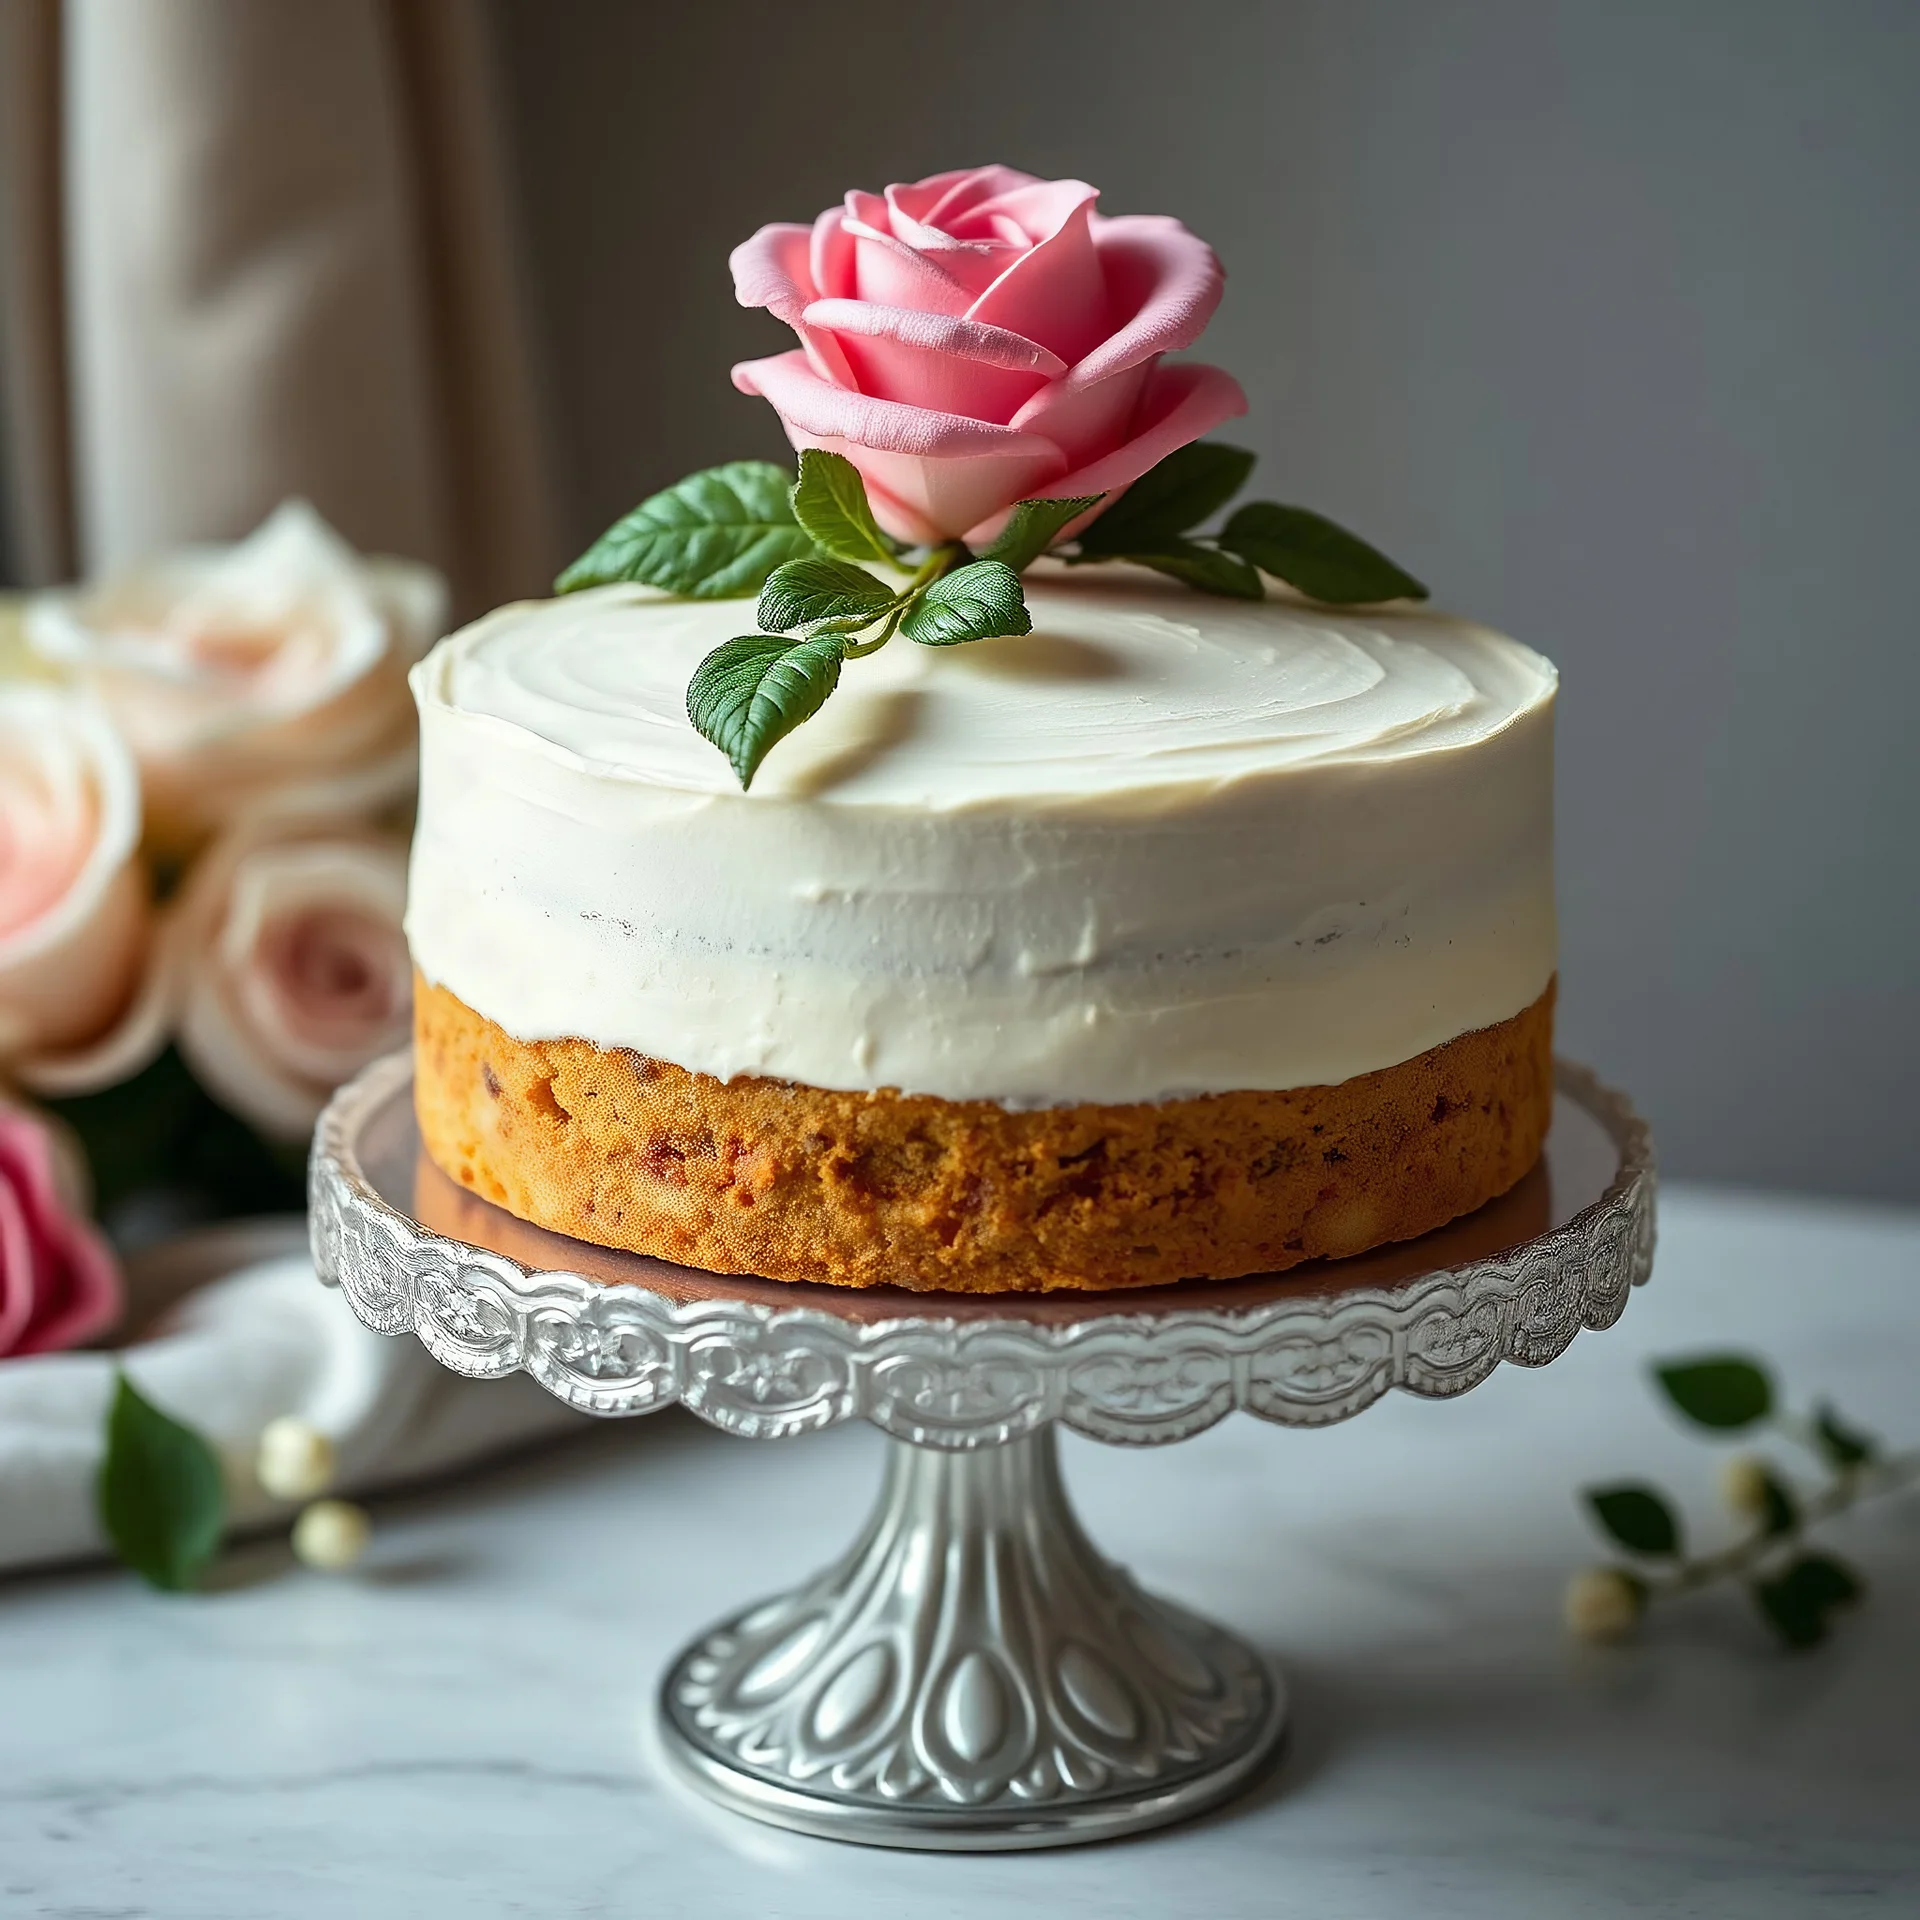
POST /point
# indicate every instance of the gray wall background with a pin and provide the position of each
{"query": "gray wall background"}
(1602, 317)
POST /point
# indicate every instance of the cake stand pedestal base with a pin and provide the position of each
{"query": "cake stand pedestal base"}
(972, 1675)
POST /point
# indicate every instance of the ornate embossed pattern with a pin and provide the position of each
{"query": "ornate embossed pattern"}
(972, 1654)
(766, 1372)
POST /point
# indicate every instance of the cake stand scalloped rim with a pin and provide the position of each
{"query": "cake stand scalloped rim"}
(772, 1372)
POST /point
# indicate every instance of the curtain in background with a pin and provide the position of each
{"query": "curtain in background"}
(256, 250)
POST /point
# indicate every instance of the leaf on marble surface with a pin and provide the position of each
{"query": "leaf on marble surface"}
(1844, 1447)
(1779, 1510)
(1722, 1391)
(1638, 1517)
(160, 1496)
(1796, 1601)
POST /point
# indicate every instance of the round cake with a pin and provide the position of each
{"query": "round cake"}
(1179, 938)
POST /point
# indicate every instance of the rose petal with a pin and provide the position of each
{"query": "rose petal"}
(87, 1299)
(1055, 292)
(133, 1040)
(933, 360)
(944, 470)
(1181, 403)
(1085, 421)
(974, 260)
(944, 199)
(946, 495)
(20, 1267)
(1036, 210)
(239, 1027)
(227, 1061)
(773, 269)
(58, 1262)
(232, 671)
(291, 912)
(803, 399)
(891, 272)
(830, 256)
(1166, 280)
(72, 938)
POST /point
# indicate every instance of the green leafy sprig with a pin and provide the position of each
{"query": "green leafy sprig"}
(805, 544)
(1795, 1587)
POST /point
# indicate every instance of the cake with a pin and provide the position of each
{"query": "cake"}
(1180, 937)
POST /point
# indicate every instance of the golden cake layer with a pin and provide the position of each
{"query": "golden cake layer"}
(795, 1182)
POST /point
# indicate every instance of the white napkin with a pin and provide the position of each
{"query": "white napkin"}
(243, 1332)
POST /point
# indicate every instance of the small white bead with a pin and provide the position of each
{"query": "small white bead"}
(331, 1534)
(1743, 1485)
(295, 1460)
(1603, 1603)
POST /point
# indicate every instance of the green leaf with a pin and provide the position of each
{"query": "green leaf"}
(1843, 1446)
(1170, 499)
(1323, 560)
(750, 692)
(830, 501)
(1031, 528)
(1827, 1580)
(715, 535)
(975, 602)
(1721, 1391)
(159, 1494)
(1780, 1511)
(1796, 1601)
(1204, 567)
(1638, 1518)
(805, 592)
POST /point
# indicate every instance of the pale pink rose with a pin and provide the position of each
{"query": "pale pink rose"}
(74, 916)
(292, 971)
(263, 680)
(983, 337)
(58, 1281)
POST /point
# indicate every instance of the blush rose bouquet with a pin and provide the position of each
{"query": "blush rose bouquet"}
(982, 381)
(205, 765)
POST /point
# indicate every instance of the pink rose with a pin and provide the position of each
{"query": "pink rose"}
(58, 1282)
(263, 679)
(291, 967)
(983, 337)
(75, 924)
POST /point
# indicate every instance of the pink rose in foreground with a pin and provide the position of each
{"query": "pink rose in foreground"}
(291, 970)
(74, 915)
(58, 1282)
(984, 337)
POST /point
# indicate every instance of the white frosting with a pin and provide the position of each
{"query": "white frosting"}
(1164, 845)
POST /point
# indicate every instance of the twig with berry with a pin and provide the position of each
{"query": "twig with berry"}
(1796, 1587)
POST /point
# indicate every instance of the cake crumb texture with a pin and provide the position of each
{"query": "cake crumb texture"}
(796, 1182)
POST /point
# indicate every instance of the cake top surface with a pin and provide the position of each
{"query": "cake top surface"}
(1123, 689)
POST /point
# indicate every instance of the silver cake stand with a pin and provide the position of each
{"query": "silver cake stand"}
(972, 1673)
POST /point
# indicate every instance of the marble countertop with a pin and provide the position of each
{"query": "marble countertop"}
(460, 1727)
